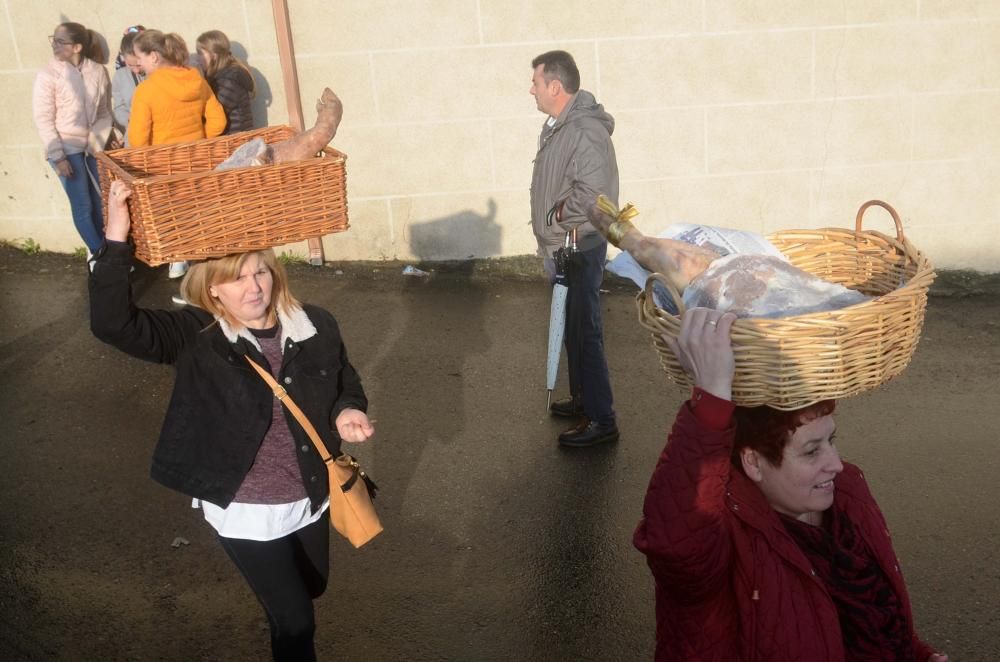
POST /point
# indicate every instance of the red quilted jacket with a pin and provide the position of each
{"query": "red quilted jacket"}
(731, 584)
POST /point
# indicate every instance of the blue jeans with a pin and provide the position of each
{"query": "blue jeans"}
(588, 369)
(85, 199)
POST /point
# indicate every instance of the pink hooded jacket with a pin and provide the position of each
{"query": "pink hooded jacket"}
(72, 108)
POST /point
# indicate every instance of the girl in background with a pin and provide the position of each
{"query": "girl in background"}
(71, 102)
(173, 105)
(229, 78)
(127, 77)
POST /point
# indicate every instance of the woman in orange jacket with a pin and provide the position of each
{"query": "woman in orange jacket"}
(173, 105)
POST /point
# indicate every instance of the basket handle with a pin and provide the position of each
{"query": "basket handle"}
(888, 208)
(674, 294)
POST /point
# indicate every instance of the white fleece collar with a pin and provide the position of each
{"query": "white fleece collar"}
(295, 326)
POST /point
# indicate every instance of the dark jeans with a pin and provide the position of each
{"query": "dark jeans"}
(287, 574)
(85, 199)
(588, 369)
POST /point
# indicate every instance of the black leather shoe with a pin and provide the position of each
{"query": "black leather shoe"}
(567, 408)
(588, 433)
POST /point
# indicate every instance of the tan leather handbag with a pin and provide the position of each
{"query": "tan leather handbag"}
(352, 512)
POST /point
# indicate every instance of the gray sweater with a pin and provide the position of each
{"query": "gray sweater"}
(122, 88)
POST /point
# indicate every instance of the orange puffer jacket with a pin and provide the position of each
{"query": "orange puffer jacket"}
(174, 105)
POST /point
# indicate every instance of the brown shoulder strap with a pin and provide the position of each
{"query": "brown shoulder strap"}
(285, 399)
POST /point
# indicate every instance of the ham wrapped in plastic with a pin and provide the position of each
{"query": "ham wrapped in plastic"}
(745, 284)
(765, 286)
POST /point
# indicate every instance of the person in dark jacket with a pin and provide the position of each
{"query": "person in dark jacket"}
(229, 78)
(226, 440)
(765, 545)
(575, 162)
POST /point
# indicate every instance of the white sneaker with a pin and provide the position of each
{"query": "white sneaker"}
(177, 269)
(179, 300)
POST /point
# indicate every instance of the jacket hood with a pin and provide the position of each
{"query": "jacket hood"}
(585, 106)
(179, 83)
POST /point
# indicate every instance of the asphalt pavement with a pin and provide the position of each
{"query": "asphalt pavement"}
(498, 544)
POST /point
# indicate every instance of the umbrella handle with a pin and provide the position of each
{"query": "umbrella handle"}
(649, 302)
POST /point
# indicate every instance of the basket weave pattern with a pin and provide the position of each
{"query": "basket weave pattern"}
(793, 362)
(183, 210)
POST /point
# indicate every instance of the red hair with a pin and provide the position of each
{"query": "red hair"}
(768, 431)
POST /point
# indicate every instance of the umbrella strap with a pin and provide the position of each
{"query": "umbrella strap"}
(551, 215)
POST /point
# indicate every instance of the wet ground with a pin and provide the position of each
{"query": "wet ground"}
(499, 545)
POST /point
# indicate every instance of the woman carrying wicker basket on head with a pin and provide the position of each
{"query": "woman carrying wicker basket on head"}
(226, 440)
(174, 104)
(71, 102)
(764, 545)
(230, 79)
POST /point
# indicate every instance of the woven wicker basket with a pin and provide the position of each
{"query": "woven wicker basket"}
(183, 210)
(793, 362)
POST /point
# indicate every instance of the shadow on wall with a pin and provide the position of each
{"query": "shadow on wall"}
(263, 97)
(463, 233)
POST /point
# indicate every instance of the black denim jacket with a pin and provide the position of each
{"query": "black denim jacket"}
(220, 409)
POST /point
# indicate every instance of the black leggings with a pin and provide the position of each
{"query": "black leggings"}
(287, 574)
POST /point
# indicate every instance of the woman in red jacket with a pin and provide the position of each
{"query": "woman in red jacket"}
(764, 545)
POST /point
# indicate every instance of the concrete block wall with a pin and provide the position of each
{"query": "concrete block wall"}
(756, 114)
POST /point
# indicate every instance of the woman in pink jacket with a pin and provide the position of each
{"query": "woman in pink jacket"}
(764, 545)
(72, 108)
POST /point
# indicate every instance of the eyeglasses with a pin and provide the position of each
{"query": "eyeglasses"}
(59, 42)
(134, 29)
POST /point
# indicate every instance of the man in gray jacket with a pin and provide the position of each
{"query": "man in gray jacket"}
(575, 163)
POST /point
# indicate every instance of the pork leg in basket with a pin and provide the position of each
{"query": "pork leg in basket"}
(329, 112)
(747, 285)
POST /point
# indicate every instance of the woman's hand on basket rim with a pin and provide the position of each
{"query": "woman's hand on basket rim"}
(354, 426)
(119, 220)
(705, 351)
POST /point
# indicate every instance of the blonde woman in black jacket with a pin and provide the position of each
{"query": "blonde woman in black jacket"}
(226, 441)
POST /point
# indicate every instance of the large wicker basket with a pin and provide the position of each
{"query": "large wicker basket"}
(183, 210)
(793, 362)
